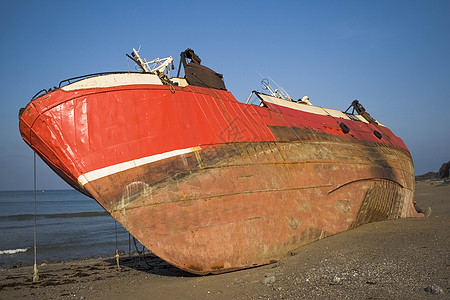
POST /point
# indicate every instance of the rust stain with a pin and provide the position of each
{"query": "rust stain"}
(239, 220)
(294, 223)
(221, 209)
(343, 206)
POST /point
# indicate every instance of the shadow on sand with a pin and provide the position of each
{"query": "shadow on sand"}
(149, 263)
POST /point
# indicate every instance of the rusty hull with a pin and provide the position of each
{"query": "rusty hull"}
(239, 205)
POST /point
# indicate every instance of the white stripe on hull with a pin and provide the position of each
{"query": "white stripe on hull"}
(106, 171)
(317, 110)
(110, 80)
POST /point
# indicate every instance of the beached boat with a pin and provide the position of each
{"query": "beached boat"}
(210, 184)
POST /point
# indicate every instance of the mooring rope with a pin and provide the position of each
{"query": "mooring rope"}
(117, 249)
(36, 274)
(140, 252)
(129, 244)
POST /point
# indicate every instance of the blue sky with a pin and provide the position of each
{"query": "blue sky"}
(391, 55)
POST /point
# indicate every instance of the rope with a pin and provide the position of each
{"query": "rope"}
(117, 249)
(140, 252)
(36, 274)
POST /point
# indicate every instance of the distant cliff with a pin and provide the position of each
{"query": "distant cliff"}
(443, 173)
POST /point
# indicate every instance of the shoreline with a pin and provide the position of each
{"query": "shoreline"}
(388, 259)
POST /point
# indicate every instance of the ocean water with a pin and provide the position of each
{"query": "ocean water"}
(69, 226)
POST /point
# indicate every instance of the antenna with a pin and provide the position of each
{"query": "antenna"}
(282, 91)
(161, 65)
(279, 92)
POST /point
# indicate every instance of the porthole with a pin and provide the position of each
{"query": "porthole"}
(344, 127)
(378, 134)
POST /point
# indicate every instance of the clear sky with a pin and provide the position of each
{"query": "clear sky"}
(391, 55)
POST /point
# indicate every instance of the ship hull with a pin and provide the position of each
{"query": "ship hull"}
(213, 185)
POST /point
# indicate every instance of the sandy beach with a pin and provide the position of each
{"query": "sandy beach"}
(401, 259)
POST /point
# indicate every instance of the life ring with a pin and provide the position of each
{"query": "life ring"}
(344, 127)
(378, 134)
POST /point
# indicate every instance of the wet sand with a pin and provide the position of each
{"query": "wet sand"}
(398, 259)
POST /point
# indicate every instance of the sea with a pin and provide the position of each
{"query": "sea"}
(69, 225)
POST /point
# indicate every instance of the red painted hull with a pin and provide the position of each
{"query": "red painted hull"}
(213, 185)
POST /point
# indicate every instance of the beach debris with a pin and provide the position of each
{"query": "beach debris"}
(434, 289)
(336, 280)
(418, 208)
(427, 212)
(268, 279)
